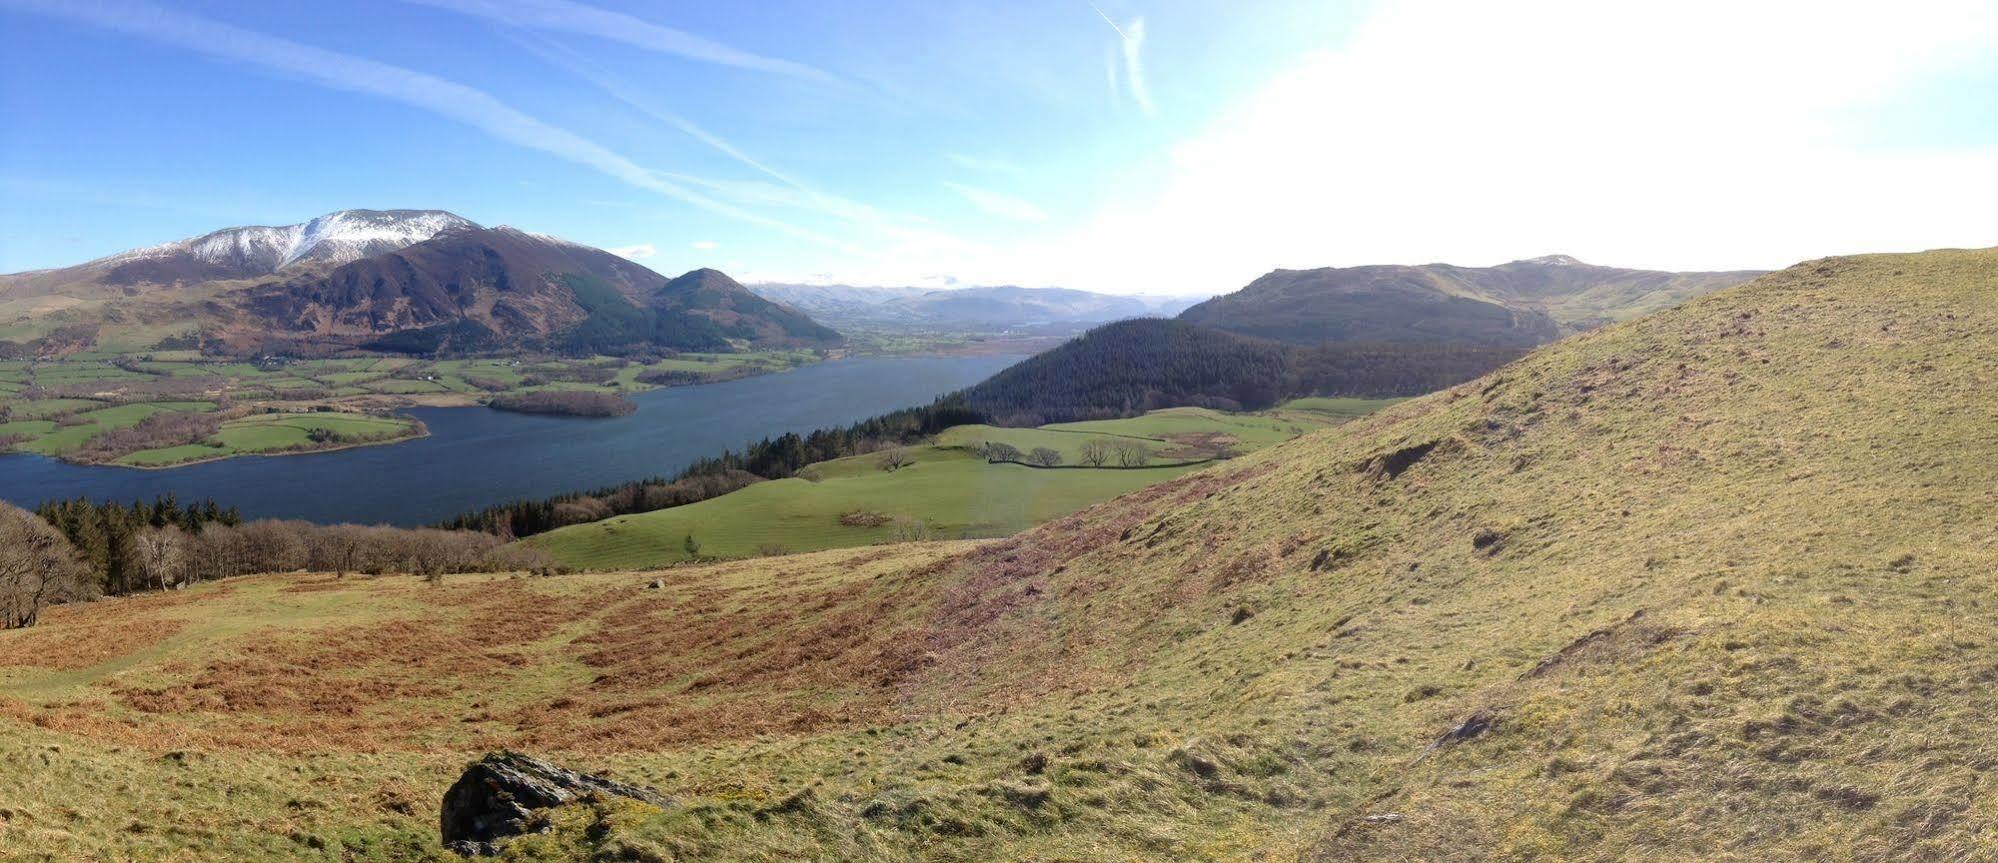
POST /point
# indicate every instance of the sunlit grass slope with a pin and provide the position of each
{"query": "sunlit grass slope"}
(1712, 585)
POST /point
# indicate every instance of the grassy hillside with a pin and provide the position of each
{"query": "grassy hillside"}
(947, 491)
(1711, 585)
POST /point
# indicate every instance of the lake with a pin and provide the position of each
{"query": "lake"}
(475, 456)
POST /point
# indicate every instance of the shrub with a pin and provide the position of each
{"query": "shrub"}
(863, 518)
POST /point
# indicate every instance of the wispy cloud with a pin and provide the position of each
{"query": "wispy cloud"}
(1131, 38)
(999, 203)
(634, 253)
(802, 194)
(338, 71)
(571, 17)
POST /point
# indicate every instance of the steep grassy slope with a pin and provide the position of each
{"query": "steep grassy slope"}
(1712, 585)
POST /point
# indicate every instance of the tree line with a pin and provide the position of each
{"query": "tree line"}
(74, 550)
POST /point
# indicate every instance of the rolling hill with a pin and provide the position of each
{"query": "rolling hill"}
(1713, 584)
(1519, 304)
(1130, 367)
(712, 295)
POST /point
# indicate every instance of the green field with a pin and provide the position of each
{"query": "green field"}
(951, 493)
(272, 433)
(947, 492)
(82, 421)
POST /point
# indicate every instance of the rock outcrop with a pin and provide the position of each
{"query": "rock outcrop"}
(500, 796)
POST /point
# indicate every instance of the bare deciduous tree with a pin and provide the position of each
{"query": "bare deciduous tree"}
(894, 459)
(38, 567)
(1095, 452)
(996, 452)
(160, 553)
(1131, 453)
(1045, 456)
(911, 529)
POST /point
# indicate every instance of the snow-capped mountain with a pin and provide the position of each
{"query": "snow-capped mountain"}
(259, 250)
(335, 238)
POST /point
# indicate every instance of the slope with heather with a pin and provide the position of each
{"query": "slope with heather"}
(1713, 584)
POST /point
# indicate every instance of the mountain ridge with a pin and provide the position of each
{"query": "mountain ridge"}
(1520, 303)
(252, 251)
(411, 281)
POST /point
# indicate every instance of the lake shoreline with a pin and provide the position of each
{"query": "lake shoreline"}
(475, 458)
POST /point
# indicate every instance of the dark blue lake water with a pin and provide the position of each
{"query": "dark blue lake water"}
(476, 456)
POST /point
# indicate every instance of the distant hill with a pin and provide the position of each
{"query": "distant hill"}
(1520, 304)
(1130, 367)
(740, 313)
(976, 308)
(415, 281)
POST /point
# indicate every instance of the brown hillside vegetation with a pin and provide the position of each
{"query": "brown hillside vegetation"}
(1711, 585)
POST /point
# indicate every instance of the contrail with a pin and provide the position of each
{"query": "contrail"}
(1106, 20)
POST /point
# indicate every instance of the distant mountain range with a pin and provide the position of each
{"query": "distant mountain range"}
(1520, 304)
(429, 281)
(418, 281)
(972, 308)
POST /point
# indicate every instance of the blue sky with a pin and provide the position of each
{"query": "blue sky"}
(1128, 145)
